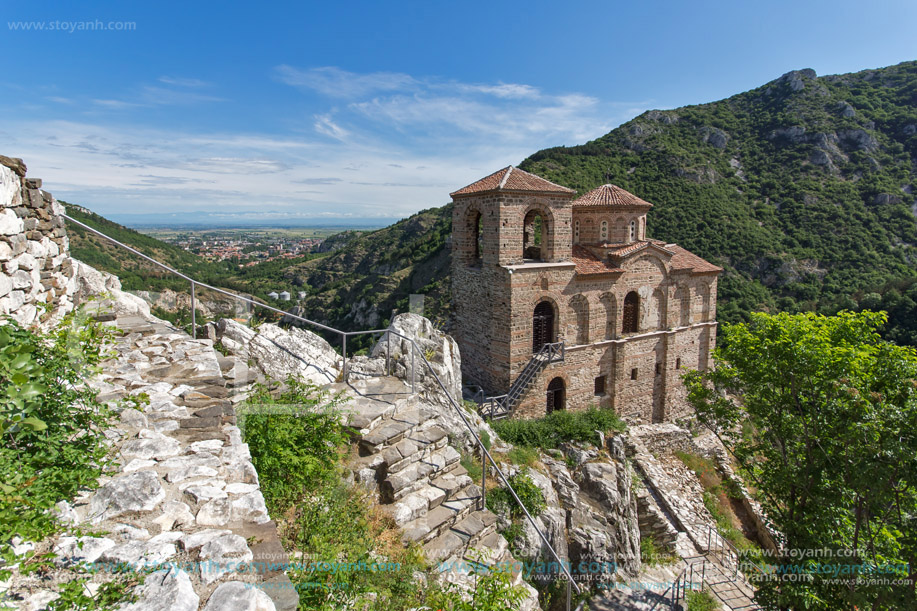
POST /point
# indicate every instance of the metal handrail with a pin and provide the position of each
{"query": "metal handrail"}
(415, 351)
(545, 356)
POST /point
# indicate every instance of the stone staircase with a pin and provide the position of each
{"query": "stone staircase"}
(406, 458)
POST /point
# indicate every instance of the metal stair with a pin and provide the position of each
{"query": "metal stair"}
(502, 406)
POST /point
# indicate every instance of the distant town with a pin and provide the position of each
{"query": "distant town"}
(247, 247)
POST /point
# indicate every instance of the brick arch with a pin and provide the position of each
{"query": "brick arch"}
(548, 229)
(579, 306)
(611, 314)
(473, 240)
(550, 377)
(559, 317)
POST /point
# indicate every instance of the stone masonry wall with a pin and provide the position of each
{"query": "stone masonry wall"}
(36, 271)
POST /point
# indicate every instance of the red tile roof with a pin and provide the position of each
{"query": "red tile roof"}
(588, 264)
(685, 259)
(611, 195)
(512, 179)
(624, 249)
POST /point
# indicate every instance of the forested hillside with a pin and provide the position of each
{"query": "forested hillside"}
(802, 189)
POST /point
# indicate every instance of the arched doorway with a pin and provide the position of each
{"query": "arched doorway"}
(631, 310)
(542, 325)
(556, 399)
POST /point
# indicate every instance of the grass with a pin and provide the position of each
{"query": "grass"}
(559, 427)
(523, 456)
(701, 600)
(718, 496)
(653, 554)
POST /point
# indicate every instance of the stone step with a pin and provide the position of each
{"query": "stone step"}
(365, 413)
(441, 518)
(415, 447)
(415, 505)
(476, 526)
(392, 430)
(419, 474)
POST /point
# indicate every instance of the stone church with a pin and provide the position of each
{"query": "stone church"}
(563, 303)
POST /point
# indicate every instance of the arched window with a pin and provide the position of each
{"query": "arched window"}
(534, 232)
(604, 231)
(555, 395)
(542, 325)
(633, 231)
(630, 322)
(576, 232)
(475, 229)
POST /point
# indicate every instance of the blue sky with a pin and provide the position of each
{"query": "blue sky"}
(376, 109)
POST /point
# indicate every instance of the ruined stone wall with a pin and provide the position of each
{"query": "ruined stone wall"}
(36, 278)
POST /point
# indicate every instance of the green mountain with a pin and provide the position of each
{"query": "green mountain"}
(802, 189)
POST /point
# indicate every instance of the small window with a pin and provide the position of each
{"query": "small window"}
(633, 373)
(576, 231)
(677, 363)
(633, 230)
(604, 230)
(658, 368)
(600, 385)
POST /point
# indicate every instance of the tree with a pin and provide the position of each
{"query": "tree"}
(821, 415)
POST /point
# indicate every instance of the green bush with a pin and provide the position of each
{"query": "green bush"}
(500, 500)
(701, 600)
(558, 427)
(296, 439)
(653, 554)
(51, 426)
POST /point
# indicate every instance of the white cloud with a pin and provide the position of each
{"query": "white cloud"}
(386, 145)
(334, 82)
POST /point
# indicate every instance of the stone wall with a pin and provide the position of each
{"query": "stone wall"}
(36, 278)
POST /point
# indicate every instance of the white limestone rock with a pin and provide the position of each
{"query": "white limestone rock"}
(151, 445)
(221, 551)
(166, 590)
(238, 596)
(138, 491)
(72, 550)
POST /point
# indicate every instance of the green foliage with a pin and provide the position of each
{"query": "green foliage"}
(473, 466)
(523, 455)
(831, 446)
(701, 600)
(51, 427)
(500, 500)
(791, 234)
(296, 438)
(653, 554)
(493, 591)
(110, 595)
(558, 427)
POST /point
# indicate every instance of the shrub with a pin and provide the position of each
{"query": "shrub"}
(500, 500)
(701, 600)
(51, 426)
(296, 438)
(653, 554)
(558, 427)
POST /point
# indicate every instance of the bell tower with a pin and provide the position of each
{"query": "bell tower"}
(500, 224)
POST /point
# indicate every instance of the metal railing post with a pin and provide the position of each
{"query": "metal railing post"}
(413, 350)
(388, 353)
(569, 595)
(483, 479)
(344, 352)
(193, 314)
